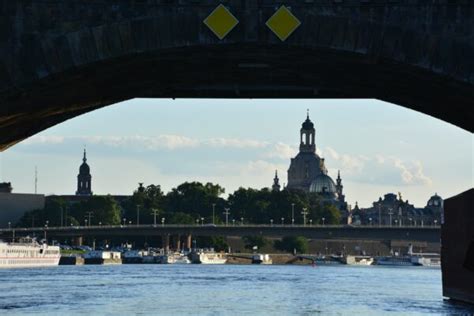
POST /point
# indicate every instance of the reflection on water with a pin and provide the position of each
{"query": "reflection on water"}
(223, 289)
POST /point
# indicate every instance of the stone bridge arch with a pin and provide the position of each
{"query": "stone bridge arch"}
(64, 58)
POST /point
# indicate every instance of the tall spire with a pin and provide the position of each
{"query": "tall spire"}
(276, 182)
(85, 155)
(307, 114)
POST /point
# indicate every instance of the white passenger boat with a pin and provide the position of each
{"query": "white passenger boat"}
(412, 259)
(28, 253)
(208, 257)
(175, 258)
(358, 260)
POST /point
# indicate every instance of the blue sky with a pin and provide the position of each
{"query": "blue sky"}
(379, 147)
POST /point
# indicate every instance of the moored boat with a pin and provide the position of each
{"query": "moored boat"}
(27, 252)
(261, 259)
(102, 257)
(207, 257)
(358, 260)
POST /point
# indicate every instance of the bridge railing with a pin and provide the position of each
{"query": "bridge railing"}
(212, 226)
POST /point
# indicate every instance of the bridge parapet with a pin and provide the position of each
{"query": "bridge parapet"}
(61, 59)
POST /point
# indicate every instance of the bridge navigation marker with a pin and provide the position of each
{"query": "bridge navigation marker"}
(221, 21)
(283, 23)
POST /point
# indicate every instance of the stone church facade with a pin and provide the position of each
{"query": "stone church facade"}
(308, 172)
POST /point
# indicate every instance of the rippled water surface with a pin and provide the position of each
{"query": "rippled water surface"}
(223, 290)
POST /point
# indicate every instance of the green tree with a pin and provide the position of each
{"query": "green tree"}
(51, 214)
(252, 241)
(292, 244)
(103, 209)
(195, 199)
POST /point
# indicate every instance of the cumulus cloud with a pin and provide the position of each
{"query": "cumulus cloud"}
(281, 151)
(411, 172)
(378, 169)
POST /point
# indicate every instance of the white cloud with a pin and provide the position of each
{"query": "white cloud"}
(43, 140)
(378, 169)
(152, 143)
(234, 143)
(281, 151)
(411, 172)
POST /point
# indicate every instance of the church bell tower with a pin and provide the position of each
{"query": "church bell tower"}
(84, 178)
(307, 136)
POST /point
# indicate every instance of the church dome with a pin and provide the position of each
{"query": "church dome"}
(84, 168)
(435, 200)
(308, 125)
(323, 184)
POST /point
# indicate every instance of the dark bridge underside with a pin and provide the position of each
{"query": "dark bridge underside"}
(60, 59)
(233, 71)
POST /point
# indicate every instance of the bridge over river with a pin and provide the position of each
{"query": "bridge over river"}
(407, 233)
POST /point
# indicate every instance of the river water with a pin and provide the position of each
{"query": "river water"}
(224, 290)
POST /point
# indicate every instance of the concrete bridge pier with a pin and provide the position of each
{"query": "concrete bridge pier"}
(78, 241)
(189, 239)
(177, 242)
(165, 242)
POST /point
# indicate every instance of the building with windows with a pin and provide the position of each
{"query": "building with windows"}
(392, 210)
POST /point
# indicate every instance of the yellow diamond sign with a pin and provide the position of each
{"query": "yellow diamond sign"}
(283, 23)
(221, 21)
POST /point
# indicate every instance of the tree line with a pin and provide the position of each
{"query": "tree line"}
(188, 203)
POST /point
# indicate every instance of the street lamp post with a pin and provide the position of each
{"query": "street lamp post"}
(155, 213)
(241, 221)
(380, 217)
(323, 219)
(62, 216)
(233, 222)
(282, 221)
(162, 222)
(390, 213)
(89, 215)
(370, 221)
(304, 215)
(124, 220)
(271, 223)
(292, 214)
(85, 222)
(411, 221)
(9, 225)
(45, 228)
(226, 213)
(435, 222)
(202, 221)
(310, 222)
(213, 213)
(138, 215)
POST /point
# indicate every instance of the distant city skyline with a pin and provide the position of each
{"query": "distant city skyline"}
(377, 146)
